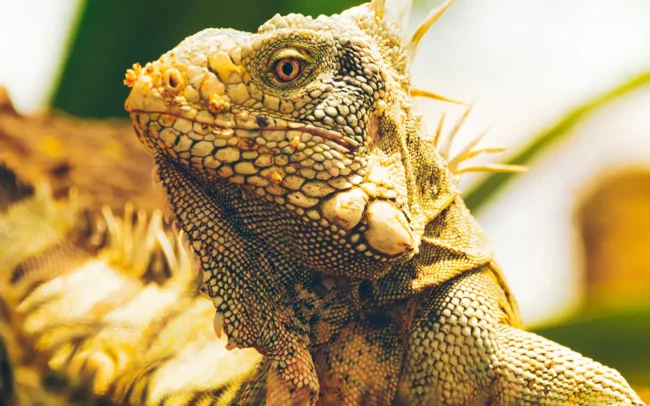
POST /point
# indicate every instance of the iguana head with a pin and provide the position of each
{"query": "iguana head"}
(311, 115)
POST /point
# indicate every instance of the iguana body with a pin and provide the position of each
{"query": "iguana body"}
(328, 229)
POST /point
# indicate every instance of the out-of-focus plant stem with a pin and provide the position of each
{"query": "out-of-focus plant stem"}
(488, 188)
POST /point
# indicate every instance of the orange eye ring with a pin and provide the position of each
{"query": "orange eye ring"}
(287, 69)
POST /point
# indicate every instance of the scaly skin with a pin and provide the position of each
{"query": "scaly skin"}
(329, 230)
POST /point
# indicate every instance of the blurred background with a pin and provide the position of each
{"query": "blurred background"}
(566, 84)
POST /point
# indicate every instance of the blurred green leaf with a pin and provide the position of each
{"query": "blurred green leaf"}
(484, 191)
(112, 35)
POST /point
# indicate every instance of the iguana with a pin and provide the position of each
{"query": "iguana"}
(329, 231)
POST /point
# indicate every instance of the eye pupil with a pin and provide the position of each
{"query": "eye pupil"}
(287, 68)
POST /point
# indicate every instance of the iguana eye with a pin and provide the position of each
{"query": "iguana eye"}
(288, 69)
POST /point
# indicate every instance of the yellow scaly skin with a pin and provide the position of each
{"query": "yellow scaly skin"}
(328, 229)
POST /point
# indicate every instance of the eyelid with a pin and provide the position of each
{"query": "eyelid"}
(290, 53)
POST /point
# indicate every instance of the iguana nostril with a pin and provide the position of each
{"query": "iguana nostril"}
(173, 79)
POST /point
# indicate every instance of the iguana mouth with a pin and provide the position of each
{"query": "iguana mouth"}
(263, 124)
(285, 163)
(273, 151)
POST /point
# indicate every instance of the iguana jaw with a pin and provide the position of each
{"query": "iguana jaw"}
(363, 216)
(275, 159)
